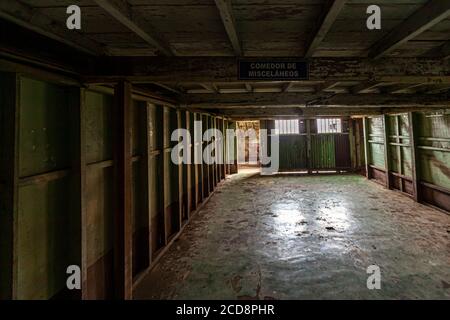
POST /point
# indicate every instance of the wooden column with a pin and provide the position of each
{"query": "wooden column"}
(366, 147)
(9, 132)
(387, 151)
(308, 144)
(399, 150)
(224, 150)
(189, 167)
(180, 177)
(413, 138)
(123, 278)
(78, 194)
(147, 153)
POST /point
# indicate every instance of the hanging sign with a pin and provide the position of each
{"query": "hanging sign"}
(272, 69)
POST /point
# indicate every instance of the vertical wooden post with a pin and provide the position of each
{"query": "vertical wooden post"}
(147, 159)
(351, 138)
(366, 147)
(189, 166)
(166, 173)
(224, 150)
(413, 138)
(399, 150)
(123, 192)
(308, 144)
(9, 174)
(387, 150)
(181, 203)
(78, 194)
(215, 165)
(208, 166)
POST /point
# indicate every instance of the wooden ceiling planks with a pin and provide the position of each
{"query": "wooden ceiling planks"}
(262, 27)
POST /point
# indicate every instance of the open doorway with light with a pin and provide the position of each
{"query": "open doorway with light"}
(248, 146)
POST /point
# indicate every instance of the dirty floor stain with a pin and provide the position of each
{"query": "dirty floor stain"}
(305, 237)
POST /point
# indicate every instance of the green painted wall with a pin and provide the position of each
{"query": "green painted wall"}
(99, 187)
(43, 239)
(400, 159)
(434, 131)
(323, 151)
(43, 229)
(293, 152)
(376, 147)
(98, 123)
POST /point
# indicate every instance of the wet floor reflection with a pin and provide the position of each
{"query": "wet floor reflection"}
(287, 217)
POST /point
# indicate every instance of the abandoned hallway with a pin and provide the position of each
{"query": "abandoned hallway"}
(305, 237)
(110, 111)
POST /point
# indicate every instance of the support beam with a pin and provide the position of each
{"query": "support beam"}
(35, 20)
(121, 11)
(210, 87)
(387, 150)
(326, 86)
(430, 14)
(226, 13)
(438, 90)
(288, 86)
(331, 12)
(169, 88)
(255, 100)
(367, 146)
(297, 112)
(401, 88)
(123, 278)
(442, 52)
(224, 69)
(413, 138)
(365, 86)
(398, 148)
(308, 144)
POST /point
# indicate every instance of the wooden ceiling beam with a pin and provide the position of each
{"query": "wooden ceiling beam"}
(438, 90)
(401, 88)
(291, 113)
(210, 87)
(430, 14)
(326, 86)
(35, 20)
(331, 12)
(121, 11)
(226, 13)
(442, 52)
(365, 86)
(224, 69)
(169, 88)
(288, 86)
(291, 99)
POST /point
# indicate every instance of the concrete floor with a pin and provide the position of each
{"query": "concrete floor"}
(305, 237)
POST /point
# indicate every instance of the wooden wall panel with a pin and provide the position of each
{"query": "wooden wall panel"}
(419, 157)
(99, 191)
(141, 259)
(156, 174)
(44, 216)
